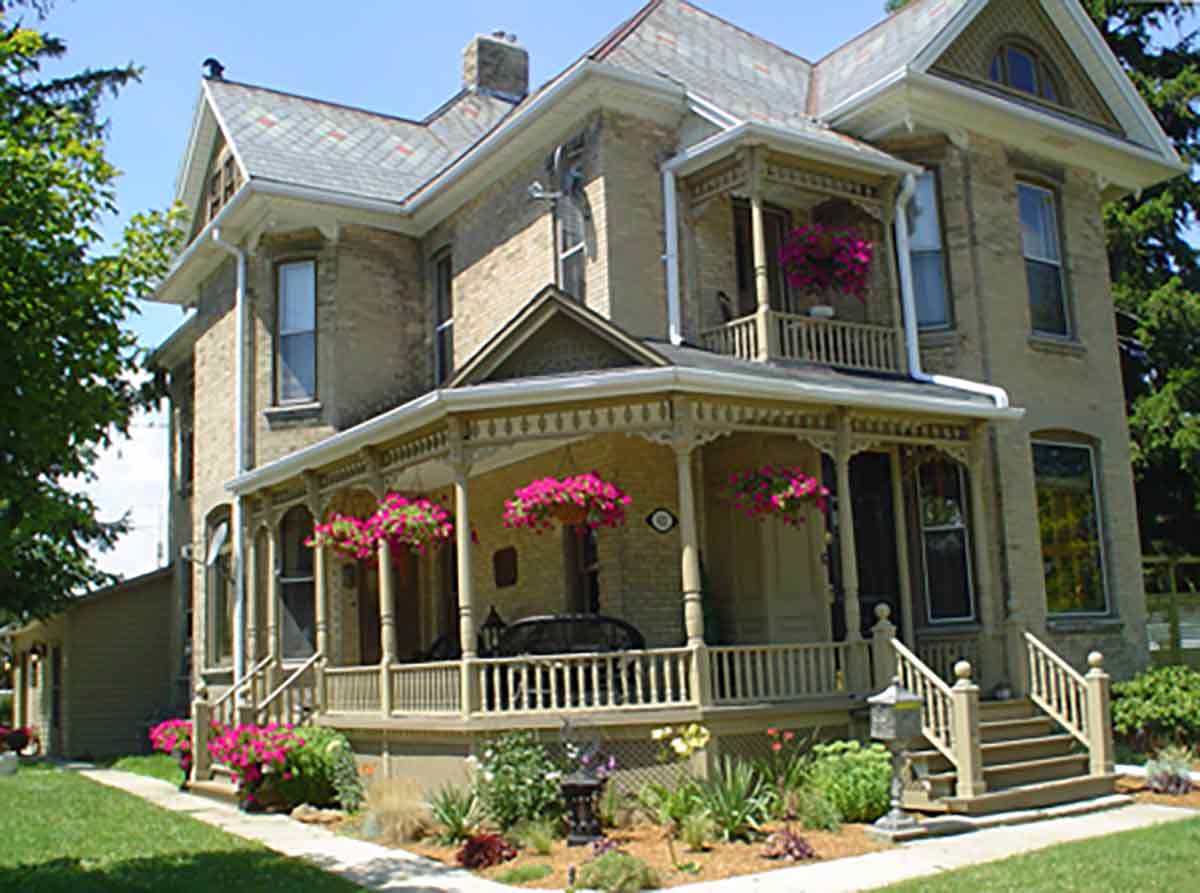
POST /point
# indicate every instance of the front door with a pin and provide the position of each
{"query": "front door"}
(407, 618)
(794, 582)
(370, 650)
(874, 541)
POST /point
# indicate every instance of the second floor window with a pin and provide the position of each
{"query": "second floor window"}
(443, 332)
(927, 256)
(1024, 70)
(296, 338)
(1043, 260)
(572, 253)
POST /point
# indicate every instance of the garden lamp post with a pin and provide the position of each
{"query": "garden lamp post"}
(580, 791)
(896, 722)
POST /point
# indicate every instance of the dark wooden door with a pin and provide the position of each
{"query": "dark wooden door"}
(369, 647)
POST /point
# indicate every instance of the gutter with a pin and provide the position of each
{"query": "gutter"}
(625, 383)
(241, 463)
(908, 308)
(185, 257)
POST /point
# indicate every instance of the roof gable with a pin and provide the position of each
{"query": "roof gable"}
(969, 56)
(553, 335)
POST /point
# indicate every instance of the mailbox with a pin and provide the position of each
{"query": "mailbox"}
(895, 715)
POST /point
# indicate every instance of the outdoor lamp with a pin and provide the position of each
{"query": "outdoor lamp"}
(896, 722)
(580, 791)
(489, 632)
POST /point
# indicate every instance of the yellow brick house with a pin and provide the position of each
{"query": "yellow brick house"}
(587, 277)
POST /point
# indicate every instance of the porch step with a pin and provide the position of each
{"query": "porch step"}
(995, 711)
(1006, 751)
(1015, 773)
(1016, 729)
(216, 789)
(1032, 796)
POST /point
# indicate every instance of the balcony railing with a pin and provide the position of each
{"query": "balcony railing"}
(827, 342)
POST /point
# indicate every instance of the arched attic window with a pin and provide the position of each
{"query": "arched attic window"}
(1022, 67)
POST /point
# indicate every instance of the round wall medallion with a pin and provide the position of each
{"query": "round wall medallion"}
(661, 520)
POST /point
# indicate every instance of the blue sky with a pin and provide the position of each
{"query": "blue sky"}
(397, 57)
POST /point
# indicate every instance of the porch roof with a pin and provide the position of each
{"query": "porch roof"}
(693, 372)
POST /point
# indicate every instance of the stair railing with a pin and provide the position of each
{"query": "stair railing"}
(221, 712)
(1080, 704)
(292, 700)
(949, 716)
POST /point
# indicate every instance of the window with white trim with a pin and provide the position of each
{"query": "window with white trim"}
(927, 256)
(218, 586)
(1068, 506)
(297, 584)
(945, 542)
(1043, 260)
(443, 332)
(572, 249)
(296, 332)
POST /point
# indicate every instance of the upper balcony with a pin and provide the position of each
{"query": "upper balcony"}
(741, 214)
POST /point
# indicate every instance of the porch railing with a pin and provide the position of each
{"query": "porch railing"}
(737, 338)
(937, 699)
(352, 689)
(1080, 704)
(251, 689)
(426, 688)
(941, 652)
(828, 342)
(750, 673)
(578, 682)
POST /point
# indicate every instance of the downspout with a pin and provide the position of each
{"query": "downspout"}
(671, 257)
(908, 309)
(240, 463)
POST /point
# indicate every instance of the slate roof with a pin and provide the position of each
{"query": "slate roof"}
(879, 51)
(808, 373)
(306, 142)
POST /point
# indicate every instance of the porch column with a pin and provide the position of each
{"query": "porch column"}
(387, 625)
(252, 558)
(981, 540)
(466, 585)
(693, 609)
(762, 281)
(274, 596)
(902, 560)
(858, 668)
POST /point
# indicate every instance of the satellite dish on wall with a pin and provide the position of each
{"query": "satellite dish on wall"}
(217, 543)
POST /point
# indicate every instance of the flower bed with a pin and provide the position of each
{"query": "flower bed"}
(784, 492)
(174, 738)
(584, 499)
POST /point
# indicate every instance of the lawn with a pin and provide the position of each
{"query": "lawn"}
(62, 832)
(1160, 858)
(156, 765)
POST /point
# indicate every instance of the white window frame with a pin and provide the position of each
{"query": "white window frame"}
(965, 527)
(213, 574)
(1107, 610)
(443, 328)
(285, 581)
(568, 253)
(281, 333)
(940, 251)
(1057, 262)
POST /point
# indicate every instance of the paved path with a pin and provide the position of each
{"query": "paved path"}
(374, 867)
(380, 868)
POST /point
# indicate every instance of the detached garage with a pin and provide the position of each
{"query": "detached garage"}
(91, 677)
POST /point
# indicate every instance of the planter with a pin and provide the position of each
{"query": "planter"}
(579, 499)
(568, 514)
(822, 311)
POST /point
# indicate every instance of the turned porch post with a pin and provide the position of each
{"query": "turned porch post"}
(387, 625)
(981, 540)
(858, 668)
(274, 596)
(683, 443)
(900, 516)
(316, 507)
(252, 559)
(460, 462)
(762, 280)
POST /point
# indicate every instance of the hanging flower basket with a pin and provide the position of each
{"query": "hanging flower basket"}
(775, 490)
(348, 536)
(822, 259)
(410, 524)
(584, 499)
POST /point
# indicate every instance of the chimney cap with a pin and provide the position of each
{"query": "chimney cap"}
(506, 36)
(213, 69)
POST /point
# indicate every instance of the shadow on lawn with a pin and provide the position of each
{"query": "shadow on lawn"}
(224, 871)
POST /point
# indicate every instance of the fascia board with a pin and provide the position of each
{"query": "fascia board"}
(428, 408)
(229, 140)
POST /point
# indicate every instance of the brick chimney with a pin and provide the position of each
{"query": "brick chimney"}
(496, 63)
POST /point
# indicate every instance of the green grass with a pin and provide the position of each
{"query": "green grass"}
(523, 874)
(61, 833)
(156, 765)
(1160, 858)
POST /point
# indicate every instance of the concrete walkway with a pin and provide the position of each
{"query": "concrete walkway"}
(380, 868)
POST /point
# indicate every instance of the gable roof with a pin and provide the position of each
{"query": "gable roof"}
(300, 141)
(547, 306)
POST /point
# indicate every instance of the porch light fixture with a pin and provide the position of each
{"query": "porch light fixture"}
(490, 632)
(896, 721)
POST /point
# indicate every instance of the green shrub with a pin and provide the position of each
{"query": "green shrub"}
(523, 874)
(1170, 771)
(736, 799)
(1158, 707)
(518, 781)
(616, 807)
(6, 709)
(697, 830)
(815, 812)
(616, 872)
(323, 772)
(537, 836)
(456, 810)
(669, 805)
(855, 779)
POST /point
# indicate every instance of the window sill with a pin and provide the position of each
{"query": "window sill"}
(948, 628)
(1065, 346)
(1096, 624)
(292, 414)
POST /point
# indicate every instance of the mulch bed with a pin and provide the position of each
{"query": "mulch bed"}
(720, 860)
(1132, 784)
